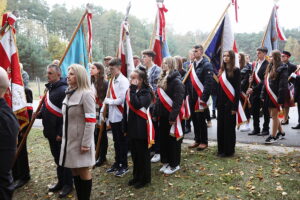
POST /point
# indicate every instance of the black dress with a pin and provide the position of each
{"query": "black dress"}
(245, 74)
(136, 128)
(226, 121)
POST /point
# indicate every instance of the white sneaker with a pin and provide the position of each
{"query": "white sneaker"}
(171, 170)
(164, 167)
(155, 158)
(245, 128)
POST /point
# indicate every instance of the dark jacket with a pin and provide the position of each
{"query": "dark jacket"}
(175, 90)
(297, 89)
(279, 86)
(204, 72)
(291, 68)
(246, 72)
(261, 74)
(134, 125)
(52, 123)
(222, 99)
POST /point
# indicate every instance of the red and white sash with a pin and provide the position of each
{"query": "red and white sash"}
(114, 95)
(90, 117)
(198, 86)
(186, 108)
(271, 94)
(176, 129)
(244, 96)
(51, 107)
(256, 77)
(230, 93)
(145, 114)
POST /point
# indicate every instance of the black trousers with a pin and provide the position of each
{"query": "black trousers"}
(103, 143)
(170, 147)
(298, 107)
(21, 168)
(64, 175)
(200, 127)
(6, 180)
(141, 160)
(226, 131)
(207, 114)
(256, 106)
(120, 144)
(156, 146)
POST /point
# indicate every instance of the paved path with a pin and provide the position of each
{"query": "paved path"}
(292, 136)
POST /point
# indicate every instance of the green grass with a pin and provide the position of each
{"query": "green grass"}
(247, 175)
(33, 85)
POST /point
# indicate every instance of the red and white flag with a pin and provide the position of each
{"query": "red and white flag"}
(125, 50)
(90, 35)
(15, 96)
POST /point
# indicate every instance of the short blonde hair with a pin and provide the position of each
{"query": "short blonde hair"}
(82, 78)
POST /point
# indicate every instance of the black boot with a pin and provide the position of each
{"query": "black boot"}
(213, 114)
(78, 187)
(86, 188)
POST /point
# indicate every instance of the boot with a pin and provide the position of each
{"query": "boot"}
(78, 187)
(86, 188)
(213, 114)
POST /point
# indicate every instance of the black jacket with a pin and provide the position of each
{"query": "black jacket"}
(261, 74)
(279, 86)
(52, 123)
(222, 99)
(134, 125)
(175, 90)
(297, 89)
(245, 74)
(291, 68)
(204, 72)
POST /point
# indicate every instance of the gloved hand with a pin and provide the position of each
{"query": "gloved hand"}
(108, 101)
(293, 75)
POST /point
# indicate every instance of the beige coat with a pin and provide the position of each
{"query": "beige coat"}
(78, 130)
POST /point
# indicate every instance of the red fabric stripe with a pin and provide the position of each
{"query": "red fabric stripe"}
(138, 112)
(270, 95)
(29, 108)
(157, 50)
(226, 90)
(121, 109)
(164, 102)
(54, 112)
(90, 120)
(198, 90)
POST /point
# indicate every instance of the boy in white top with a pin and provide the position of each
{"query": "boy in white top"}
(118, 88)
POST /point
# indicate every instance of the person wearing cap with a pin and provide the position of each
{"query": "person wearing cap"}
(289, 99)
(9, 129)
(106, 60)
(256, 81)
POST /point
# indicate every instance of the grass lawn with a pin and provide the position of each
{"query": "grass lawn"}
(247, 175)
(33, 85)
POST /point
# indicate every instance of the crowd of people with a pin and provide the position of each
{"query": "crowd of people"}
(147, 113)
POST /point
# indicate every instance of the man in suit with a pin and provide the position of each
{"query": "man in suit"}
(257, 81)
(296, 79)
(153, 72)
(204, 72)
(9, 128)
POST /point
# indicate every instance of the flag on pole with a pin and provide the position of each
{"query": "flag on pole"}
(125, 50)
(159, 42)
(273, 32)
(90, 35)
(236, 7)
(9, 60)
(223, 40)
(77, 53)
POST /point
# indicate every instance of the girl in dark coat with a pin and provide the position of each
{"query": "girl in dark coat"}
(276, 77)
(227, 109)
(99, 86)
(136, 127)
(170, 83)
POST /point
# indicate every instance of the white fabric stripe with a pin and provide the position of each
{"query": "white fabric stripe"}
(8, 44)
(150, 124)
(256, 71)
(241, 113)
(29, 105)
(52, 105)
(228, 85)
(198, 82)
(166, 97)
(90, 115)
(18, 97)
(270, 90)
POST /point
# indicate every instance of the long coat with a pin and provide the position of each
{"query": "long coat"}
(78, 130)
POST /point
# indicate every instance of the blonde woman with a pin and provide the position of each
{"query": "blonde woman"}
(79, 118)
(170, 146)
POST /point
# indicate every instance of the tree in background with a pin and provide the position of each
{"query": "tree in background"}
(2, 9)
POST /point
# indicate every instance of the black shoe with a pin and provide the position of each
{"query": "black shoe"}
(263, 133)
(121, 172)
(253, 133)
(112, 170)
(280, 135)
(139, 185)
(132, 182)
(271, 140)
(55, 188)
(20, 182)
(296, 127)
(187, 130)
(100, 162)
(67, 189)
(285, 123)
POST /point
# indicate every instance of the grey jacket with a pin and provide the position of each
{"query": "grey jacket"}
(154, 76)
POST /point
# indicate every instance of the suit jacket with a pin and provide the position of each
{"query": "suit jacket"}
(78, 132)
(261, 74)
(154, 76)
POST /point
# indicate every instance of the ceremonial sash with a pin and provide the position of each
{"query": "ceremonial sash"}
(90, 117)
(256, 77)
(271, 94)
(243, 95)
(145, 114)
(29, 106)
(198, 86)
(113, 94)
(230, 93)
(176, 129)
(51, 107)
(186, 108)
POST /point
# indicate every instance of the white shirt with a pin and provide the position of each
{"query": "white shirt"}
(259, 63)
(121, 84)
